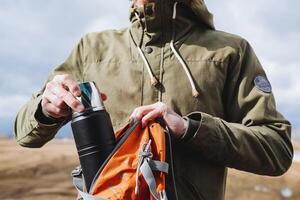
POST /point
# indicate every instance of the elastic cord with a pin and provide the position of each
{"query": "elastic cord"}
(195, 93)
(153, 80)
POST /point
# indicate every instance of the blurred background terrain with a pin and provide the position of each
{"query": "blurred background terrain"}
(44, 174)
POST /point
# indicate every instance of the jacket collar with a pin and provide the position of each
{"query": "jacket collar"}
(155, 24)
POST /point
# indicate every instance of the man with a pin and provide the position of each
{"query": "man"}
(207, 85)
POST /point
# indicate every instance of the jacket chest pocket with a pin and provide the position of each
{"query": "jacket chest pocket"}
(209, 78)
(121, 81)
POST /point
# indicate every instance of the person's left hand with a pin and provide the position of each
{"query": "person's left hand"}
(174, 121)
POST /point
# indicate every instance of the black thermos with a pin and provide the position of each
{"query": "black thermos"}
(93, 132)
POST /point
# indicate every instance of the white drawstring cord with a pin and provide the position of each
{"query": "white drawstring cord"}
(152, 78)
(195, 93)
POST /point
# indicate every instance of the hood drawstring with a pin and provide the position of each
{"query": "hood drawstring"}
(154, 81)
(195, 93)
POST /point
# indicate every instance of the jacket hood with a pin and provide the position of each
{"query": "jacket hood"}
(198, 7)
(201, 11)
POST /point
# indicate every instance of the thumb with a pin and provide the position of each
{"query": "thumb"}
(103, 96)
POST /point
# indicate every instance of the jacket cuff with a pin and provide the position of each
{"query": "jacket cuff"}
(207, 138)
(199, 126)
(193, 126)
(44, 119)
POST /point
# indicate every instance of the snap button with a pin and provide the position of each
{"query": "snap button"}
(148, 50)
(149, 10)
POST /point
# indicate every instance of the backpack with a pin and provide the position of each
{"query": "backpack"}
(136, 169)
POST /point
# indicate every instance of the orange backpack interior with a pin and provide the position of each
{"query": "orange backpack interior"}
(136, 169)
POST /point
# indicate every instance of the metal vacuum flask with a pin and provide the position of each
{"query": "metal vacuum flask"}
(93, 132)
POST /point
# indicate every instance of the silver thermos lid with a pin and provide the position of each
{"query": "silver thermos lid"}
(90, 98)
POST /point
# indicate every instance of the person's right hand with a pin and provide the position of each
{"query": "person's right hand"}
(59, 97)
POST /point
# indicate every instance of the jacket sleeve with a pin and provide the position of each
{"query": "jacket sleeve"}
(32, 128)
(254, 137)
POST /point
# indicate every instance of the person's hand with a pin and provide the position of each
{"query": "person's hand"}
(59, 97)
(174, 121)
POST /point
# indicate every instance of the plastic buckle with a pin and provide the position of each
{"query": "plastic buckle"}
(77, 172)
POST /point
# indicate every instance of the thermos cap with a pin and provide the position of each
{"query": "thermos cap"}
(90, 98)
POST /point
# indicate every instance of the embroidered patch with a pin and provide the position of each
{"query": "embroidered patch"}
(262, 83)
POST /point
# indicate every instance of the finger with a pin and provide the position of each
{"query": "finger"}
(139, 112)
(103, 96)
(55, 112)
(67, 97)
(52, 110)
(150, 116)
(53, 99)
(132, 115)
(44, 102)
(69, 82)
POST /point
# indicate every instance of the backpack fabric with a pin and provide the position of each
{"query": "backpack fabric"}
(136, 169)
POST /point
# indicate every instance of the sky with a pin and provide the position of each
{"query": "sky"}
(36, 36)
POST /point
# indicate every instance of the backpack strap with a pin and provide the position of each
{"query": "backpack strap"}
(150, 180)
(156, 165)
(146, 165)
(78, 183)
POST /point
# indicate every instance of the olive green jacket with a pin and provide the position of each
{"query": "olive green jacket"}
(233, 121)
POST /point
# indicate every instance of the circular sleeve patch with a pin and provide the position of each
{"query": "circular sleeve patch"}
(262, 83)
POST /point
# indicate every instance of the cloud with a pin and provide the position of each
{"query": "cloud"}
(287, 86)
(272, 28)
(10, 104)
(43, 33)
(102, 23)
